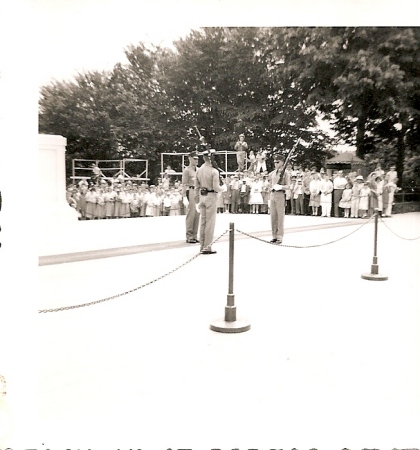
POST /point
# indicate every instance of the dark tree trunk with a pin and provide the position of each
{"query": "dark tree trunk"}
(360, 137)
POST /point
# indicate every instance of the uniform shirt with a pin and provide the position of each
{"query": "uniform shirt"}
(188, 178)
(207, 177)
(274, 179)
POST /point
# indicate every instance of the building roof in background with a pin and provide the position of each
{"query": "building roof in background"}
(345, 158)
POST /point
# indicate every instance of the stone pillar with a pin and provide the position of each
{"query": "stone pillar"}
(52, 180)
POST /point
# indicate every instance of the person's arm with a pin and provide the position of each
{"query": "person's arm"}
(216, 183)
(197, 187)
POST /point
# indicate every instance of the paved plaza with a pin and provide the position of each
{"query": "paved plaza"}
(331, 360)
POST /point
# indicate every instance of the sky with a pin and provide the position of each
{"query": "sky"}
(76, 35)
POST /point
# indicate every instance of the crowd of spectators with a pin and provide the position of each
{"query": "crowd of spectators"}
(312, 192)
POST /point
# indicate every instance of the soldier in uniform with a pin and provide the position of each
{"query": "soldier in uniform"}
(206, 188)
(279, 183)
(188, 185)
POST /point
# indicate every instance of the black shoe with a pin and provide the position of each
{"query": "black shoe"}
(192, 241)
(208, 252)
(273, 241)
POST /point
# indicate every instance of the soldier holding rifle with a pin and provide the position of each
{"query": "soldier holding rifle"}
(279, 180)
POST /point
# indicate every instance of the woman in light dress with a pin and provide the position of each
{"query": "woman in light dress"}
(364, 200)
(255, 197)
(315, 193)
(345, 201)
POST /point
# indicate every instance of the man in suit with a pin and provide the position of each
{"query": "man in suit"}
(279, 183)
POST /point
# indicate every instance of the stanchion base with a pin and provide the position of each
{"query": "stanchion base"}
(374, 277)
(238, 326)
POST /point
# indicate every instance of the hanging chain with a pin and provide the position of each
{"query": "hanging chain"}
(393, 232)
(309, 246)
(66, 308)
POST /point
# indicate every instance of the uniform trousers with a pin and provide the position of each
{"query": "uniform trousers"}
(192, 219)
(208, 211)
(277, 210)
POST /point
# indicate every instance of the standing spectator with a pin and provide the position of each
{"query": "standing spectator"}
(226, 192)
(244, 190)
(326, 195)
(345, 202)
(355, 196)
(265, 192)
(81, 202)
(175, 197)
(234, 190)
(109, 199)
(315, 193)
(100, 204)
(97, 173)
(169, 170)
(298, 197)
(192, 219)
(339, 184)
(71, 197)
(364, 200)
(134, 204)
(378, 172)
(255, 196)
(150, 201)
(278, 184)
(91, 196)
(290, 202)
(379, 190)
(252, 161)
(125, 197)
(390, 188)
(391, 175)
(167, 202)
(261, 161)
(158, 203)
(142, 197)
(166, 181)
(306, 192)
(241, 148)
(207, 186)
(376, 184)
(220, 201)
(117, 203)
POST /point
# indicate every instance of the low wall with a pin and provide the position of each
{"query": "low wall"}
(400, 208)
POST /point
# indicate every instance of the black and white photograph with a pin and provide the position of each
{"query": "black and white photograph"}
(209, 225)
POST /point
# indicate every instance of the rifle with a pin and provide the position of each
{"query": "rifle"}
(286, 161)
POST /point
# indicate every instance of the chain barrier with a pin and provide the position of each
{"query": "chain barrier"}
(66, 308)
(393, 232)
(309, 246)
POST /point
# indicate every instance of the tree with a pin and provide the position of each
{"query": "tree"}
(221, 80)
(365, 80)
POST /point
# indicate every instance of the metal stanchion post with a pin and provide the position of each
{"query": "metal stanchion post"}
(374, 273)
(229, 324)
